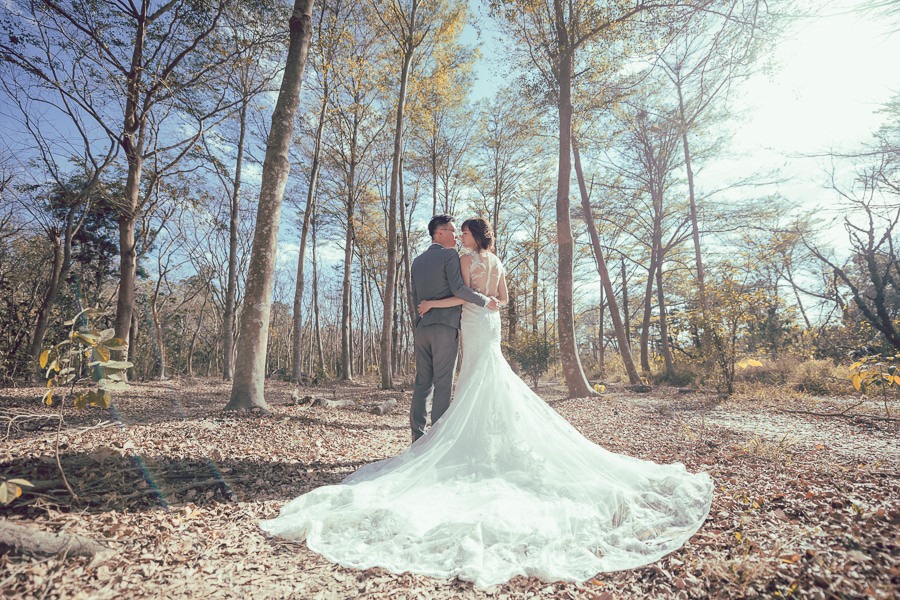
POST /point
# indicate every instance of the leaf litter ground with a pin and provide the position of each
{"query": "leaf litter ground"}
(805, 506)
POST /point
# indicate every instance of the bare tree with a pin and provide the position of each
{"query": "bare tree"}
(618, 325)
(409, 23)
(247, 390)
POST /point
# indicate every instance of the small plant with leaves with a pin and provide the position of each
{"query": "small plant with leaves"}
(81, 368)
(876, 372)
(82, 364)
(534, 355)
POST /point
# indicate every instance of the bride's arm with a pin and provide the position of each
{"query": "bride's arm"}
(426, 305)
(502, 292)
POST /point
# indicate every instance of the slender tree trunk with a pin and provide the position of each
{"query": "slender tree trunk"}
(231, 285)
(387, 347)
(606, 281)
(407, 275)
(317, 328)
(57, 273)
(692, 200)
(645, 320)
(127, 273)
(576, 382)
(159, 334)
(249, 378)
(346, 290)
(133, 144)
(664, 323)
(512, 312)
(656, 257)
(626, 314)
(535, 281)
(304, 232)
(192, 346)
(62, 264)
(601, 336)
(434, 183)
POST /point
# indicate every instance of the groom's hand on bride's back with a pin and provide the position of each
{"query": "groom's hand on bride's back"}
(493, 303)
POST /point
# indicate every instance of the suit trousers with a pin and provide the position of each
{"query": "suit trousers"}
(436, 349)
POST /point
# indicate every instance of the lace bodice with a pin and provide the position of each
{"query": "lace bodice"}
(485, 273)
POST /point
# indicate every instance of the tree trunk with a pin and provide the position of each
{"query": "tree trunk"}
(387, 324)
(249, 378)
(127, 268)
(32, 540)
(576, 382)
(692, 200)
(655, 263)
(606, 281)
(645, 320)
(133, 144)
(407, 275)
(346, 290)
(317, 329)
(57, 273)
(535, 281)
(193, 344)
(601, 337)
(304, 232)
(626, 314)
(231, 285)
(160, 341)
(664, 323)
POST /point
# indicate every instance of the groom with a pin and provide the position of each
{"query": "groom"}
(436, 275)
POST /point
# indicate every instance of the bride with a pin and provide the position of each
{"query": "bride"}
(501, 485)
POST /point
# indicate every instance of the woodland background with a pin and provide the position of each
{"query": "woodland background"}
(177, 211)
(131, 172)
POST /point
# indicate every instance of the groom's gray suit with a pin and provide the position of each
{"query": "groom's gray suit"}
(436, 275)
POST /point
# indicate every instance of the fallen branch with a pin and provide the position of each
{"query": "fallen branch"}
(342, 403)
(28, 421)
(37, 541)
(385, 407)
(841, 415)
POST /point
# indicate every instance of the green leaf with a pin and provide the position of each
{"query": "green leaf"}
(118, 365)
(102, 352)
(19, 481)
(114, 386)
(116, 344)
(107, 334)
(80, 401)
(85, 338)
(9, 492)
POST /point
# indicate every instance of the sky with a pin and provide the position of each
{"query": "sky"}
(833, 72)
(829, 76)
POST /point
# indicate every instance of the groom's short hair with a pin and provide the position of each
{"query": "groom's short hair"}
(437, 221)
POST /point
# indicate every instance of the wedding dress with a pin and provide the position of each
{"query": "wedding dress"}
(501, 486)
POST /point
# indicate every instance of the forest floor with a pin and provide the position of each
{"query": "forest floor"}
(805, 505)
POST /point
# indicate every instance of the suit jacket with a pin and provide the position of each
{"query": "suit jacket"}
(436, 275)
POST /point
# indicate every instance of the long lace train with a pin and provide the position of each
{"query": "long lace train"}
(500, 486)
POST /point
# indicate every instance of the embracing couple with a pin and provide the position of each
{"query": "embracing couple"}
(441, 283)
(501, 485)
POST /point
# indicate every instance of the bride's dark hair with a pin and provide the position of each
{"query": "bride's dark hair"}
(481, 231)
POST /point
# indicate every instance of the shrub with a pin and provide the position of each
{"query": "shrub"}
(534, 356)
